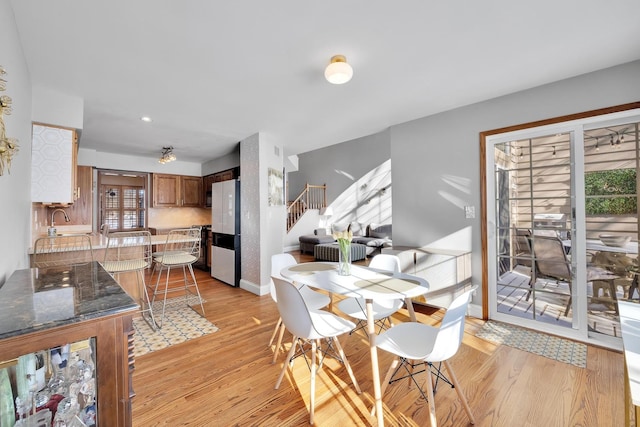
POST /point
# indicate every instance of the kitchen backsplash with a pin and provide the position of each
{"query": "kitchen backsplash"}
(178, 217)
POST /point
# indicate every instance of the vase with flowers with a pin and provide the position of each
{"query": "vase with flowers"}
(344, 250)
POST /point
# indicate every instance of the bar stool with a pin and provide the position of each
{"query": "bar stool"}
(52, 251)
(181, 249)
(130, 251)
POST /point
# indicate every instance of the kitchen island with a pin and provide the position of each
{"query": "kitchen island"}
(45, 308)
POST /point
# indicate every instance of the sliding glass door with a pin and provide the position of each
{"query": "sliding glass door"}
(562, 221)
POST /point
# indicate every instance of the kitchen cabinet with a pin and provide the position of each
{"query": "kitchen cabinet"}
(54, 152)
(225, 175)
(80, 212)
(177, 191)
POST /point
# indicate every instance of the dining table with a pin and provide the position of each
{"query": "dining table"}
(367, 283)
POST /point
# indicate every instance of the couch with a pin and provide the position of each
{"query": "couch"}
(373, 236)
(376, 237)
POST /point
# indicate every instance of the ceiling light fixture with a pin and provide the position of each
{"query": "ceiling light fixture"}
(146, 119)
(338, 71)
(167, 155)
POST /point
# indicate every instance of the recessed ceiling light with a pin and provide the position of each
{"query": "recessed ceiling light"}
(145, 119)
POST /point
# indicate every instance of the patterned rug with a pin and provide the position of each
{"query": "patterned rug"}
(180, 324)
(560, 349)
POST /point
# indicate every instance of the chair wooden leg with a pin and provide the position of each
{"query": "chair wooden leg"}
(279, 343)
(275, 331)
(347, 365)
(432, 403)
(461, 395)
(286, 362)
(385, 383)
(312, 397)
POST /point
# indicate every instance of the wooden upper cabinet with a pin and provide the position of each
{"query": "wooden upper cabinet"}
(177, 191)
(54, 152)
(191, 191)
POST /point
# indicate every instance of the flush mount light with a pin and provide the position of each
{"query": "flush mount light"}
(145, 119)
(167, 155)
(338, 71)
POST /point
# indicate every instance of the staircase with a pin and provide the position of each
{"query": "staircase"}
(312, 197)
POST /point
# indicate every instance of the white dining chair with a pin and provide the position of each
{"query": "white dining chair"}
(415, 343)
(313, 300)
(383, 309)
(308, 327)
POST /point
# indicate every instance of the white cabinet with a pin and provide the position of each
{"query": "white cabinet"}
(53, 164)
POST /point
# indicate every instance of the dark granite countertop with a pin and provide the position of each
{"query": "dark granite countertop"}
(37, 299)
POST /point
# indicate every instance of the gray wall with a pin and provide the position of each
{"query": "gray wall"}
(339, 165)
(436, 159)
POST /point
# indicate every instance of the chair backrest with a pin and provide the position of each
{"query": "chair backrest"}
(185, 240)
(386, 262)
(127, 251)
(451, 329)
(550, 257)
(278, 262)
(293, 310)
(62, 250)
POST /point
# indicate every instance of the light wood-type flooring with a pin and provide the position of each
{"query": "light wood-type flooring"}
(227, 379)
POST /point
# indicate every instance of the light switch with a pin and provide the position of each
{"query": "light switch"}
(469, 212)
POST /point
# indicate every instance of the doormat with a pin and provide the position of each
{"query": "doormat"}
(552, 347)
(180, 324)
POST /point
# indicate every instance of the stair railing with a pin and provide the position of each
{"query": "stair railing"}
(312, 197)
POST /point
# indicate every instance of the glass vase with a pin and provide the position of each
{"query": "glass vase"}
(344, 258)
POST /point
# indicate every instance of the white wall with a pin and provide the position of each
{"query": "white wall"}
(223, 163)
(436, 159)
(15, 192)
(55, 108)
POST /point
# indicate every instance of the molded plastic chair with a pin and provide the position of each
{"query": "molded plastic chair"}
(62, 250)
(383, 309)
(181, 249)
(130, 251)
(426, 344)
(309, 326)
(313, 300)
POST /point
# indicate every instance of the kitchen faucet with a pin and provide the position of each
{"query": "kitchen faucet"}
(51, 231)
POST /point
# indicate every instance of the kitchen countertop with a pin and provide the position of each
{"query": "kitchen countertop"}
(37, 299)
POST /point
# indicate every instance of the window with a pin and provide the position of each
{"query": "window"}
(122, 198)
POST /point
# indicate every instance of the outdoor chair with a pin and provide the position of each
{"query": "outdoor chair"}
(551, 262)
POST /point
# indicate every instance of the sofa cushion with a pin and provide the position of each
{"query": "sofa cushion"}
(358, 229)
(379, 231)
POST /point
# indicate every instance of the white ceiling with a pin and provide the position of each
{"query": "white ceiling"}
(212, 72)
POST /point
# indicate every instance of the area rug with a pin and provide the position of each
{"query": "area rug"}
(180, 324)
(560, 349)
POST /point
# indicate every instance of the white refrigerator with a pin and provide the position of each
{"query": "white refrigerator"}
(225, 228)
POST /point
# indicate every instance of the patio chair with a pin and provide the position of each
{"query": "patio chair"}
(551, 262)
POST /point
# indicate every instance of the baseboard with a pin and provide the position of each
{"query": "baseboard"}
(253, 288)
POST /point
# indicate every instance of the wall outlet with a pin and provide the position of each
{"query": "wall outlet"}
(469, 212)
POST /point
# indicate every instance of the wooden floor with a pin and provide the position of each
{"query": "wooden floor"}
(227, 379)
